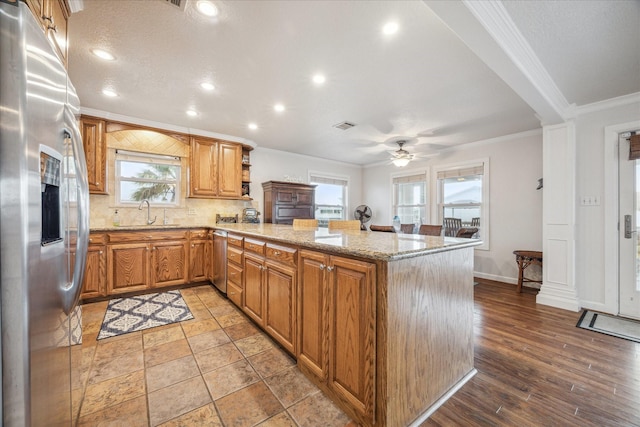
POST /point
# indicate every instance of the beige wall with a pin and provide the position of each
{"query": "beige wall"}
(515, 204)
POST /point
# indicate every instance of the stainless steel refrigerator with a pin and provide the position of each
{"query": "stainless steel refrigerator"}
(44, 206)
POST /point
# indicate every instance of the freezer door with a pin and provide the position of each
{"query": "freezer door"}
(37, 288)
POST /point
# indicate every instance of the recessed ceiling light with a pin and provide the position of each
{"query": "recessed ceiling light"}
(279, 108)
(319, 79)
(207, 8)
(192, 113)
(253, 126)
(390, 28)
(109, 92)
(103, 54)
(207, 86)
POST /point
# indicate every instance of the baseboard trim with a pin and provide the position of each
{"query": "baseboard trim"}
(495, 277)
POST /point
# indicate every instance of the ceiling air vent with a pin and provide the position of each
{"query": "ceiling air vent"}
(180, 4)
(344, 125)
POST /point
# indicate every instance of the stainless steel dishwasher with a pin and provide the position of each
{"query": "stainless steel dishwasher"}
(220, 260)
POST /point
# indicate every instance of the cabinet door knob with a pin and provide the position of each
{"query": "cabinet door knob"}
(329, 268)
(322, 266)
(276, 253)
(100, 252)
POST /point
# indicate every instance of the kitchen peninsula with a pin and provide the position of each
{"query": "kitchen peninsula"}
(382, 322)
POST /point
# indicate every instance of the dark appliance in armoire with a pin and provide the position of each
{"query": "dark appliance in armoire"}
(284, 201)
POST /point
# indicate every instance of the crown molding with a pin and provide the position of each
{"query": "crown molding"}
(493, 16)
(165, 126)
(607, 104)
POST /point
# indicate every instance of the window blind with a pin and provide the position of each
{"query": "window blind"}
(410, 178)
(457, 173)
(634, 147)
(134, 156)
(326, 180)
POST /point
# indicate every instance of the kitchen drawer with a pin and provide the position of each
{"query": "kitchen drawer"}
(289, 211)
(255, 246)
(234, 293)
(96, 239)
(282, 254)
(234, 240)
(199, 234)
(143, 236)
(234, 255)
(234, 274)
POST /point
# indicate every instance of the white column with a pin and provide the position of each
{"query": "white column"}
(558, 217)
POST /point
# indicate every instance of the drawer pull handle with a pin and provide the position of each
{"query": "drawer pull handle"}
(276, 253)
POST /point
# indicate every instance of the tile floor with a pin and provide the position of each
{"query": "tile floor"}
(218, 369)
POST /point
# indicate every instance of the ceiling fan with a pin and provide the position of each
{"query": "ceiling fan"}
(401, 157)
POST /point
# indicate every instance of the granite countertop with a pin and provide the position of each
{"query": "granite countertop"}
(145, 227)
(366, 244)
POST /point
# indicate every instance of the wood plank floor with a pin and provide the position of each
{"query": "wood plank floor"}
(536, 368)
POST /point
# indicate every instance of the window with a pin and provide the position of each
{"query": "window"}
(330, 198)
(142, 176)
(463, 195)
(410, 198)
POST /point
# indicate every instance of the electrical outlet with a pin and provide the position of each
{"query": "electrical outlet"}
(192, 211)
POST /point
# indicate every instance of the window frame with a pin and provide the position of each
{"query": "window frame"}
(438, 206)
(394, 193)
(345, 191)
(149, 158)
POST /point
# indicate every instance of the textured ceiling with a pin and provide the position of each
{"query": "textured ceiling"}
(423, 81)
(590, 48)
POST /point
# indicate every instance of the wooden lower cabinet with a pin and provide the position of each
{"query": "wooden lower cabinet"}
(199, 260)
(270, 283)
(169, 263)
(128, 268)
(120, 262)
(94, 284)
(253, 304)
(337, 328)
(280, 299)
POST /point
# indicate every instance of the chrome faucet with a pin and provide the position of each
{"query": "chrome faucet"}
(149, 220)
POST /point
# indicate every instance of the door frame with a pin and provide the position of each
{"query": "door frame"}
(611, 211)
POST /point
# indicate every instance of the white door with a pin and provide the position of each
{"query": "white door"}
(629, 220)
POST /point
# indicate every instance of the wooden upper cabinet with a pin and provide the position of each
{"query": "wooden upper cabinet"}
(216, 169)
(53, 16)
(203, 171)
(56, 18)
(229, 170)
(95, 150)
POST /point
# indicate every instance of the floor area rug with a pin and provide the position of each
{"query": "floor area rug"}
(126, 315)
(610, 325)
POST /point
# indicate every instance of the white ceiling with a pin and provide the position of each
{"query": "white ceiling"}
(422, 81)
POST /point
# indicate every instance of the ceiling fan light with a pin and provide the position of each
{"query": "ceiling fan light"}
(401, 161)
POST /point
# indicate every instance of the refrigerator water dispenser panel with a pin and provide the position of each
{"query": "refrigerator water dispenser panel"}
(50, 177)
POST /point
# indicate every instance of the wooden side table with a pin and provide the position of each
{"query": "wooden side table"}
(524, 259)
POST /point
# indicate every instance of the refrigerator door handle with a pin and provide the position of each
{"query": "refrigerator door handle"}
(71, 292)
